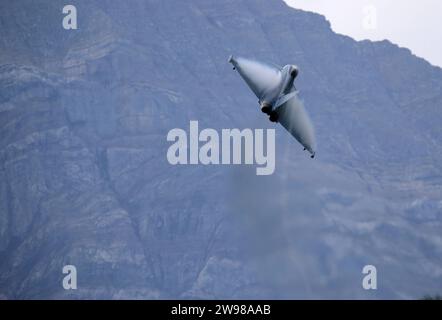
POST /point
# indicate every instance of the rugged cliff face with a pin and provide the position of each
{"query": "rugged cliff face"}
(84, 178)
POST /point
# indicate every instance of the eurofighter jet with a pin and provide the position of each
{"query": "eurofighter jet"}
(277, 96)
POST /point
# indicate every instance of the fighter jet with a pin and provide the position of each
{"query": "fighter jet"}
(274, 87)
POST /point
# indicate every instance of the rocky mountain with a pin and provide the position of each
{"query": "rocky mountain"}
(84, 178)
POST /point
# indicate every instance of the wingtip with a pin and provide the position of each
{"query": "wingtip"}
(230, 60)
